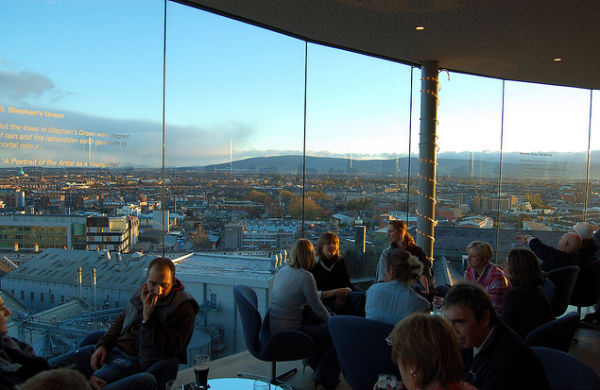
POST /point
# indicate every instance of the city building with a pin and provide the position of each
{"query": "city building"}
(231, 237)
(47, 231)
(111, 233)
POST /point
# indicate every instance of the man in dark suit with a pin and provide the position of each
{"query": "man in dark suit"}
(494, 355)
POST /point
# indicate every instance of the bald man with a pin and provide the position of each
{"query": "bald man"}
(566, 253)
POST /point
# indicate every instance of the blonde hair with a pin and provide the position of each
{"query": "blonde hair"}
(406, 267)
(56, 379)
(483, 248)
(303, 255)
(429, 342)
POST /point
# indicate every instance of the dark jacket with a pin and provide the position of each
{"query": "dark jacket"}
(18, 362)
(166, 334)
(504, 362)
(588, 251)
(553, 258)
(330, 277)
(526, 308)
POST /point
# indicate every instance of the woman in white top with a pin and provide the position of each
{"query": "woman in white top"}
(293, 288)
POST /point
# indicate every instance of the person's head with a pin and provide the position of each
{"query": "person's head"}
(522, 268)
(479, 254)
(160, 276)
(426, 350)
(328, 245)
(585, 230)
(397, 233)
(402, 266)
(469, 309)
(57, 379)
(569, 242)
(4, 313)
(303, 255)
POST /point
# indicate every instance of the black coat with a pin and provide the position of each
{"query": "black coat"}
(553, 258)
(504, 362)
(526, 308)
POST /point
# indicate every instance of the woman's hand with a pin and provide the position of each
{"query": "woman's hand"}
(342, 292)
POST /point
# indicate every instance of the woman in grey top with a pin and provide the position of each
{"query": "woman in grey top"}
(294, 287)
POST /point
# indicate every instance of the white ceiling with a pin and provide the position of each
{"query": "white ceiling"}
(508, 39)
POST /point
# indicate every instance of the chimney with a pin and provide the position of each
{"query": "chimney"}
(79, 282)
(94, 287)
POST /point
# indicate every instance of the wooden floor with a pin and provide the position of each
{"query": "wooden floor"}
(587, 348)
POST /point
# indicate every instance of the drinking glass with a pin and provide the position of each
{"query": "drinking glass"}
(172, 385)
(386, 381)
(437, 304)
(260, 385)
(201, 370)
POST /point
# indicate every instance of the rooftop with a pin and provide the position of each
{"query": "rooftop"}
(207, 264)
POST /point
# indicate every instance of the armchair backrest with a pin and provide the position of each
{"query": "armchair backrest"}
(247, 303)
(566, 371)
(362, 351)
(564, 279)
(556, 334)
(587, 287)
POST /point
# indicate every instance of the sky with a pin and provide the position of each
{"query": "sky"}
(236, 89)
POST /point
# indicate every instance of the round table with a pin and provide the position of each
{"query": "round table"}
(240, 384)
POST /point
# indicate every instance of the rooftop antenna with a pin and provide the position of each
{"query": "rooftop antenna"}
(230, 155)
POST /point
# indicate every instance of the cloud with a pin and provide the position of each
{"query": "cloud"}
(18, 86)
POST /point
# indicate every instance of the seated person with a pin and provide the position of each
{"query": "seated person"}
(495, 356)
(333, 283)
(18, 363)
(398, 236)
(565, 254)
(525, 305)
(589, 247)
(394, 299)
(484, 273)
(426, 350)
(293, 288)
(157, 324)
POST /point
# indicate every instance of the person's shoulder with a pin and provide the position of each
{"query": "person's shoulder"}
(377, 287)
(418, 297)
(507, 340)
(415, 250)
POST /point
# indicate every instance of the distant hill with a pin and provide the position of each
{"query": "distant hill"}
(569, 166)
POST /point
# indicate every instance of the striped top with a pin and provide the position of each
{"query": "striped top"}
(493, 280)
